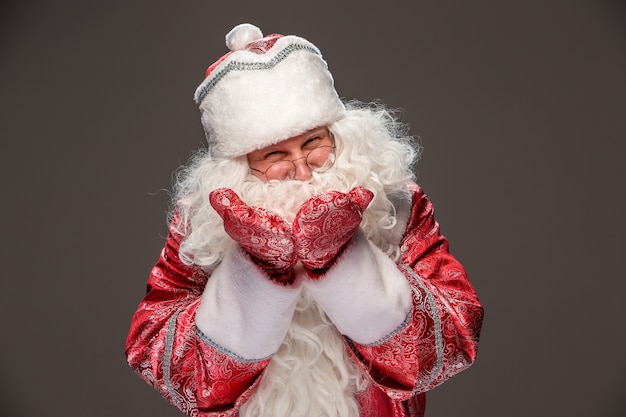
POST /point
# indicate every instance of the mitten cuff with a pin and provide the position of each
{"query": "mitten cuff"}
(243, 312)
(364, 293)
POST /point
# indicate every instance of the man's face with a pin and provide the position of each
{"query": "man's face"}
(293, 158)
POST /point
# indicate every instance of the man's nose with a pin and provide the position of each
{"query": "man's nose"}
(303, 172)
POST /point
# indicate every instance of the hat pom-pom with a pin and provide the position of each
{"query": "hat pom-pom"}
(241, 35)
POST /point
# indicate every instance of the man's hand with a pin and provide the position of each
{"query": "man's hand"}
(324, 225)
(263, 234)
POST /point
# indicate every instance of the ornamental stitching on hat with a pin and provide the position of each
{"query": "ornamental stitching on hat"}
(250, 66)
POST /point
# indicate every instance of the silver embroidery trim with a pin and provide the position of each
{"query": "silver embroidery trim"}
(436, 319)
(169, 343)
(209, 83)
(225, 351)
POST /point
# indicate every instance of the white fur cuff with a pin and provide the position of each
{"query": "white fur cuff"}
(364, 293)
(242, 311)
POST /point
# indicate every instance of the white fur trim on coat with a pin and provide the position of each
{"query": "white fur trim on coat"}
(364, 293)
(242, 312)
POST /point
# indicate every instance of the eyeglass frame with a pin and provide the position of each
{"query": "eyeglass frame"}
(333, 147)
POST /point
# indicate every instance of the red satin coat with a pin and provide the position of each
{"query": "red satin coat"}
(439, 340)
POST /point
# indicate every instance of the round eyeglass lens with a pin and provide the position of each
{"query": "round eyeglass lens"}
(319, 160)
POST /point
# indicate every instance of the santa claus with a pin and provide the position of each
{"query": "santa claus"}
(304, 273)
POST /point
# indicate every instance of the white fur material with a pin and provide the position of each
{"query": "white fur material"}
(241, 35)
(402, 203)
(252, 100)
(242, 310)
(364, 293)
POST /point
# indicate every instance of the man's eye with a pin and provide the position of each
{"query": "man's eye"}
(273, 156)
(312, 142)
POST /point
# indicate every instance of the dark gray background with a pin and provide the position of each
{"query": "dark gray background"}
(521, 109)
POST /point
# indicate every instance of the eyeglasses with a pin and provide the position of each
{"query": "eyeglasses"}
(318, 160)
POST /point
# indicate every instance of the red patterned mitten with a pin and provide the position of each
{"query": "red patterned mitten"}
(324, 225)
(263, 234)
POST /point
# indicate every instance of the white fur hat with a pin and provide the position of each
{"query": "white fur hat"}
(266, 89)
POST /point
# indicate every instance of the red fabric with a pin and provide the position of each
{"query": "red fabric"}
(325, 224)
(439, 340)
(260, 46)
(263, 234)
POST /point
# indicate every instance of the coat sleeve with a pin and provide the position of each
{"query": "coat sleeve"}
(165, 348)
(440, 336)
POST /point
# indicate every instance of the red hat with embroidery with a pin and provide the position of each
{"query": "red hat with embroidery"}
(266, 89)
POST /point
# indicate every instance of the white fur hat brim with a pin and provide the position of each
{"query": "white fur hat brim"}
(252, 100)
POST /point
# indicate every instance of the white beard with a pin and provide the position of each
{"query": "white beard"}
(286, 197)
